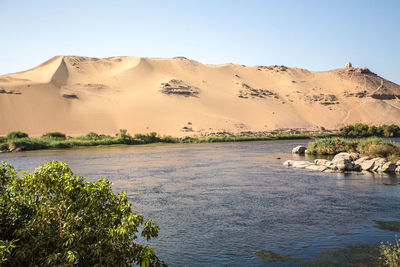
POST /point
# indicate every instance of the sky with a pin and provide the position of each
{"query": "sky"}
(316, 35)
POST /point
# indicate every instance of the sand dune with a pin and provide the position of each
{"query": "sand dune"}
(76, 95)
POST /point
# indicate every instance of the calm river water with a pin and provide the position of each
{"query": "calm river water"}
(218, 204)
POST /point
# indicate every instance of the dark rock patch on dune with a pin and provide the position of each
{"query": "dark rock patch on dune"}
(3, 91)
(179, 87)
(249, 92)
(70, 96)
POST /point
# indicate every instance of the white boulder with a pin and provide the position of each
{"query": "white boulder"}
(299, 150)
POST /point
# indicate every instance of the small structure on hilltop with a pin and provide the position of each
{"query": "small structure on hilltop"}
(349, 65)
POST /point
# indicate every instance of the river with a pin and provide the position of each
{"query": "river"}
(219, 204)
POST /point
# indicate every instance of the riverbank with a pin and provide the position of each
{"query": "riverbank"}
(18, 141)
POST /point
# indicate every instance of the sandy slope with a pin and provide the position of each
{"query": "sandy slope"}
(76, 95)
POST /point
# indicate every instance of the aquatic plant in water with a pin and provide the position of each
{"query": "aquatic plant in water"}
(273, 257)
(388, 225)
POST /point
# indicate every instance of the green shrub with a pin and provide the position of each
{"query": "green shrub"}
(128, 140)
(170, 139)
(92, 136)
(377, 147)
(61, 144)
(53, 218)
(148, 138)
(16, 135)
(363, 130)
(330, 146)
(57, 135)
(324, 135)
(390, 253)
(373, 147)
(284, 136)
(3, 146)
(391, 130)
(28, 143)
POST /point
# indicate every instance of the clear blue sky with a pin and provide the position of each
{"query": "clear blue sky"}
(317, 35)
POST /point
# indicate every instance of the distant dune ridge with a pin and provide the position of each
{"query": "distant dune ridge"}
(178, 96)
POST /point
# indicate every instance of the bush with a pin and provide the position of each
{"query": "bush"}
(283, 136)
(390, 253)
(170, 139)
(363, 130)
(330, 146)
(16, 135)
(373, 147)
(56, 135)
(92, 136)
(3, 146)
(324, 135)
(28, 143)
(148, 138)
(377, 147)
(53, 218)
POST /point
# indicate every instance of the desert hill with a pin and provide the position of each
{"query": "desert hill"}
(179, 96)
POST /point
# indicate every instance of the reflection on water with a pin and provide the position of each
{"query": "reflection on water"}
(219, 204)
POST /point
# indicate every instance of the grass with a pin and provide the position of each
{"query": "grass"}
(355, 255)
(269, 256)
(324, 144)
(331, 146)
(57, 140)
(388, 225)
(377, 147)
(365, 130)
(16, 134)
(214, 139)
(56, 135)
(372, 147)
(51, 142)
(361, 255)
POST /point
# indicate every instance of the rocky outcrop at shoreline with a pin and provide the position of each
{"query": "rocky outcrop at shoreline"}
(347, 162)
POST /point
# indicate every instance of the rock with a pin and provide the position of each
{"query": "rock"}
(329, 170)
(343, 156)
(348, 65)
(343, 162)
(316, 168)
(187, 128)
(301, 164)
(388, 167)
(288, 163)
(367, 165)
(354, 156)
(357, 167)
(346, 162)
(185, 138)
(361, 160)
(322, 162)
(344, 167)
(379, 162)
(299, 150)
